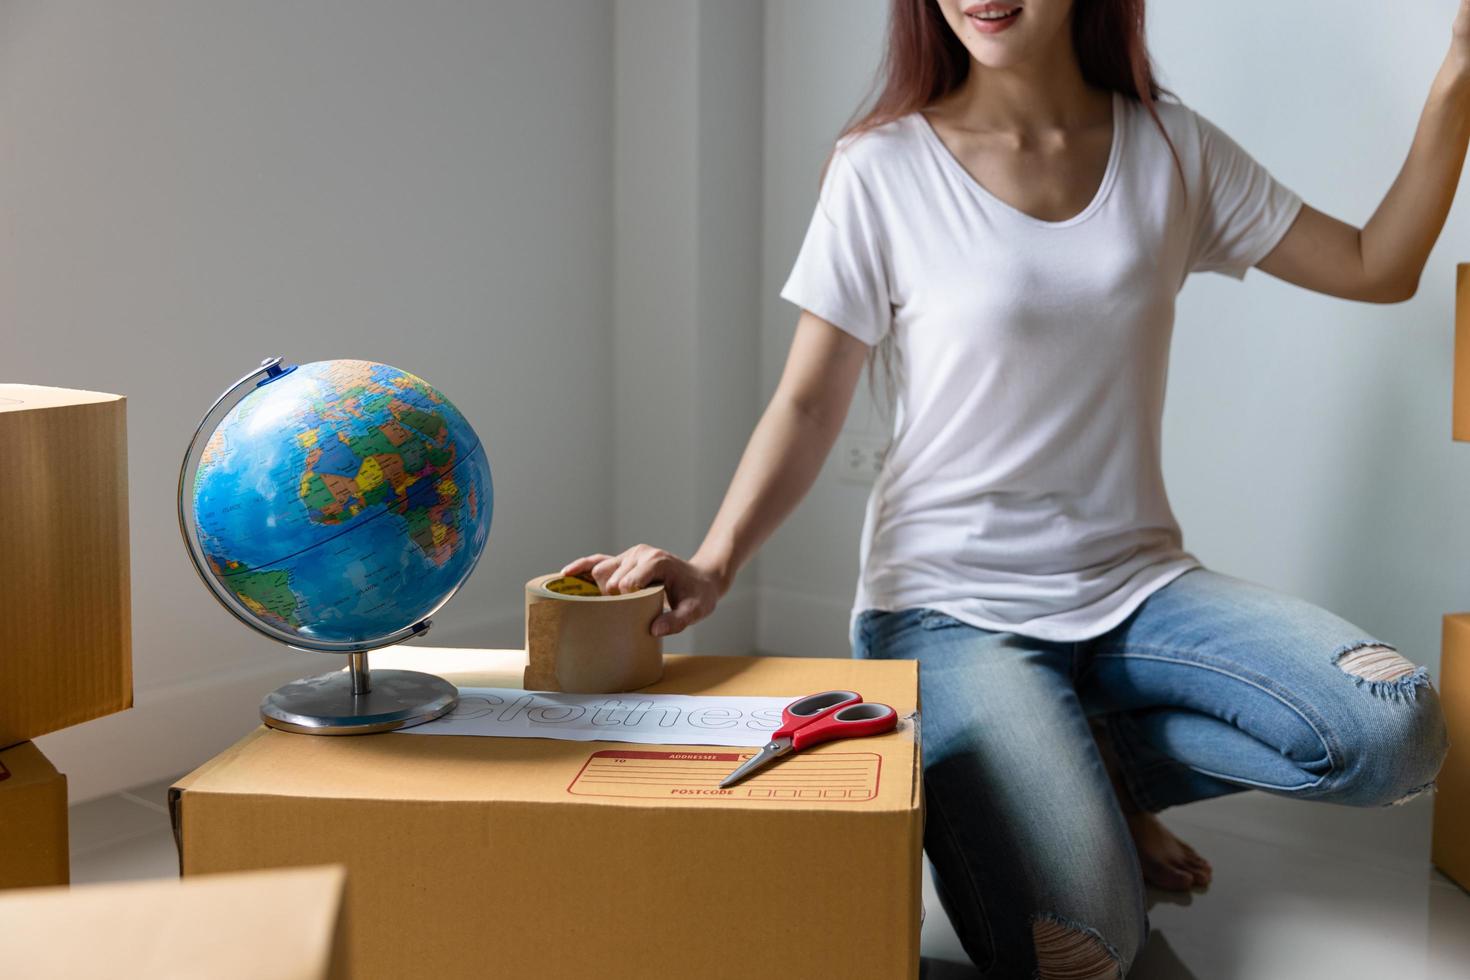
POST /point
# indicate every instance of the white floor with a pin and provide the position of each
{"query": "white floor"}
(1301, 891)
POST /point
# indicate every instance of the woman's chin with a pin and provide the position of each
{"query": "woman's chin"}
(999, 54)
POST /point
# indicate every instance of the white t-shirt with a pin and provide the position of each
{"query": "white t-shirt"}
(1023, 489)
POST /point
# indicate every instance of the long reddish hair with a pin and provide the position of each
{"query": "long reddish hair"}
(925, 60)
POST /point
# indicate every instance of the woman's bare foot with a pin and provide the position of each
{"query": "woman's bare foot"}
(1167, 861)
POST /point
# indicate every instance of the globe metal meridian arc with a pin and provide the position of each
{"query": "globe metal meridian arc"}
(406, 528)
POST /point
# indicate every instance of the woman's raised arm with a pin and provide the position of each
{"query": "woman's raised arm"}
(1382, 261)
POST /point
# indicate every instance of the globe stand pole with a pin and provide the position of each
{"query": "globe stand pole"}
(357, 701)
(362, 681)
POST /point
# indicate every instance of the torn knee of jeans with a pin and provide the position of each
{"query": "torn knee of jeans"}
(1382, 670)
(1066, 950)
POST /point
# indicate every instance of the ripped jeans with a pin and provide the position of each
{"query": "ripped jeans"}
(1213, 685)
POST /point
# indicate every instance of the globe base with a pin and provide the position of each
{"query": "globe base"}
(327, 705)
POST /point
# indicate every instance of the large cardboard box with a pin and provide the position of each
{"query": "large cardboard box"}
(534, 857)
(66, 635)
(33, 842)
(285, 925)
(1451, 848)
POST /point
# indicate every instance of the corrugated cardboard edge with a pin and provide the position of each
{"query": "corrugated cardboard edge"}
(177, 790)
(40, 404)
(175, 820)
(61, 865)
(919, 803)
(125, 543)
(918, 731)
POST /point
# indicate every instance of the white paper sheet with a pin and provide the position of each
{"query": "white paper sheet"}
(655, 719)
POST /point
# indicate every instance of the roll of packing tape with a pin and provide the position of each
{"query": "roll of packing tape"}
(581, 641)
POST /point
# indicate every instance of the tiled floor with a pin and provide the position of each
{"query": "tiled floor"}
(1303, 894)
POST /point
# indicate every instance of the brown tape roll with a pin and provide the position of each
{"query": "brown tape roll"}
(590, 643)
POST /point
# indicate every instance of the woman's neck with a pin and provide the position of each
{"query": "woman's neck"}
(1045, 92)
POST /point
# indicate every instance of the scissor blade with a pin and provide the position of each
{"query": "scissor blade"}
(767, 755)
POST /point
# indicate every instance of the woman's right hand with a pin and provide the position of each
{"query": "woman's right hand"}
(692, 590)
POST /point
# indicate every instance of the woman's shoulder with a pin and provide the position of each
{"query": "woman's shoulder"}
(1177, 119)
(872, 149)
(1196, 137)
(1180, 129)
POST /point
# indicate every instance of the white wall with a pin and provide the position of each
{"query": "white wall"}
(186, 187)
(686, 279)
(1307, 440)
(820, 59)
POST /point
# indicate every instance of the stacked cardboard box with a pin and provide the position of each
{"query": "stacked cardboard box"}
(65, 640)
(33, 847)
(536, 857)
(280, 924)
(1451, 847)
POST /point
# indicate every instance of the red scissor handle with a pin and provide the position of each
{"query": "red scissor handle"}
(822, 717)
(803, 711)
(853, 721)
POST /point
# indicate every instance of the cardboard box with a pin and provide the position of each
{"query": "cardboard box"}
(1450, 851)
(285, 925)
(33, 843)
(66, 637)
(471, 855)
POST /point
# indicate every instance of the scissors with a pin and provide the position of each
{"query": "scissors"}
(818, 718)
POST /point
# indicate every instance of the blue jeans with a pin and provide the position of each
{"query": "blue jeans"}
(1213, 685)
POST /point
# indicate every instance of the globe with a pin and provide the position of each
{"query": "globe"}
(337, 505)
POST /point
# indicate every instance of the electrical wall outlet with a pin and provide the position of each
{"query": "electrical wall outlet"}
(860, 457)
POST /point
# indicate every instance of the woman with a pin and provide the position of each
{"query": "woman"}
(1011, 221)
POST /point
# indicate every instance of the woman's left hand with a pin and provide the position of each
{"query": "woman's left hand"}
(1459, 56)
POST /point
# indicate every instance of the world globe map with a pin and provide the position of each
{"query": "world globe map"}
(340, 502)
